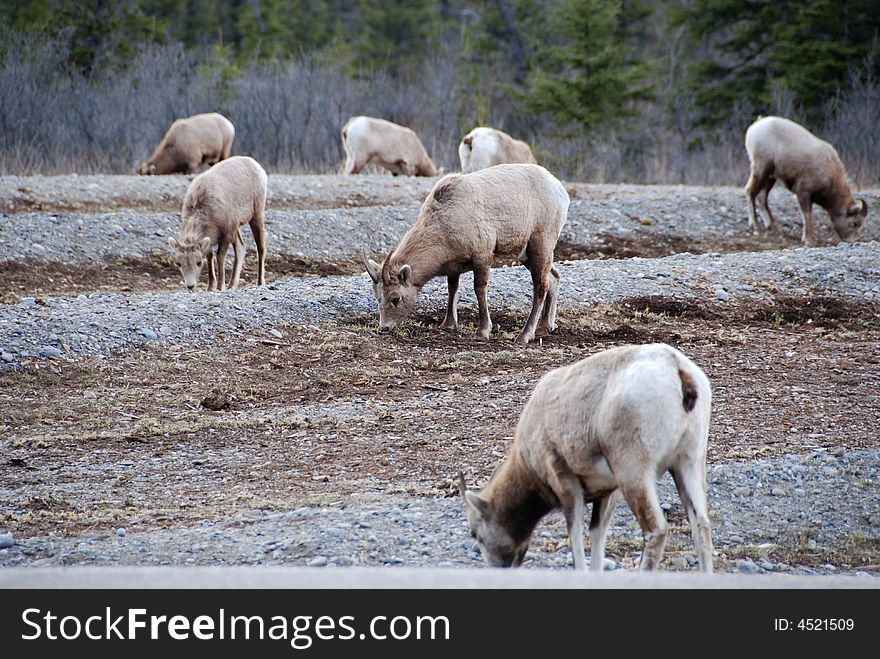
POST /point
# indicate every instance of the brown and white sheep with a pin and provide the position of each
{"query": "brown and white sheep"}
(780, 149)
(604, 428)
(468, 220)
(218, 202)
(190, 143)
(484, 147)
(396, 148)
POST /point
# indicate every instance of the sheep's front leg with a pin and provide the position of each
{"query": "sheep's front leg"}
(451, 319)
(212, 278)
(570, 493)
(481, 284)
(599, 522)
(806, 204)
(222, 248)
(238, 248)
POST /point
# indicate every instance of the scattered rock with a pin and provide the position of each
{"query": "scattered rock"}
(147, 333)
(747, 565)
(6, 541)
(217, 400)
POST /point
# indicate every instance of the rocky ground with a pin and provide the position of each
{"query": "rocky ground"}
(141, 424)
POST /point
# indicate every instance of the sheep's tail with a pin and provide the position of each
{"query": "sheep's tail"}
(688, 391)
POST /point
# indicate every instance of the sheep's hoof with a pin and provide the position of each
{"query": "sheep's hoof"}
(482, 336)
(448, 325)
(524, 339)
(543, 330)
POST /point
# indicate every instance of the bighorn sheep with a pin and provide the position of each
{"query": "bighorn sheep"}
(484, 147)
(218, 202)
(396, 148)
(202, 138)
(467, 220)
(605, 427)
(781, 149)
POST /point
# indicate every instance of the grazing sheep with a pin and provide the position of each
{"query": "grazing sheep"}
(605, 427)
(218, 202)
(468, 220)
(484, 147)
(780, 149)
(202, 138)
(396, 148)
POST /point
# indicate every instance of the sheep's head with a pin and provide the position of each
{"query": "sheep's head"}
(191, 257)
(498, 547)
(394, 290)
(849, 225)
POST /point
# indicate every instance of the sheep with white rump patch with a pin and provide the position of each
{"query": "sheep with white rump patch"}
(218, 202)
(468, 220)
(780, 149)
(605, 427)
(484, 147)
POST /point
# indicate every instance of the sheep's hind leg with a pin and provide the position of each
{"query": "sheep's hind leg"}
(689, 480)
(481, 284)
(641, 495)
(772, 224)
(540, 285)
(451, 319)
(548, 315)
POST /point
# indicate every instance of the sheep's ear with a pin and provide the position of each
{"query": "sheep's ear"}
(405, 273)
(205, 244)
(373, 268)
(172, 242)
(478, 503)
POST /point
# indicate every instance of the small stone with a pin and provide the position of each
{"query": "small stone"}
(742, 491)
(274, 332)
(147, 333)
(50, 352)
(777, 492)
(7, 357)
(91, 395)
(736, 539)
(120, 532)
(680, 563)
(6, 540)
(747, 565)
(830, 472)
(216, 400)
(765, 565)
(317, 561)
(608, 564)
(721, 294)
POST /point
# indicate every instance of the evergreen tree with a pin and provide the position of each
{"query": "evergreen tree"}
(586, 77)
(805, 46)
(395, 33)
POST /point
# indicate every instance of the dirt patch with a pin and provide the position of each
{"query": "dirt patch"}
(327, 414)
(607, 246)
(158, 272)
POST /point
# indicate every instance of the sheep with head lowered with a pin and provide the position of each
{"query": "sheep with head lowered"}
(782, 150)
(190, 143)
(466, 222)
(603, 428)
(484, 147)
(218, 202)
(396, 148)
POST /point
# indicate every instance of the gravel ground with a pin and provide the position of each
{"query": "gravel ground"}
(812, 510)
(102, 323)
(803, 502)
(675, 215)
